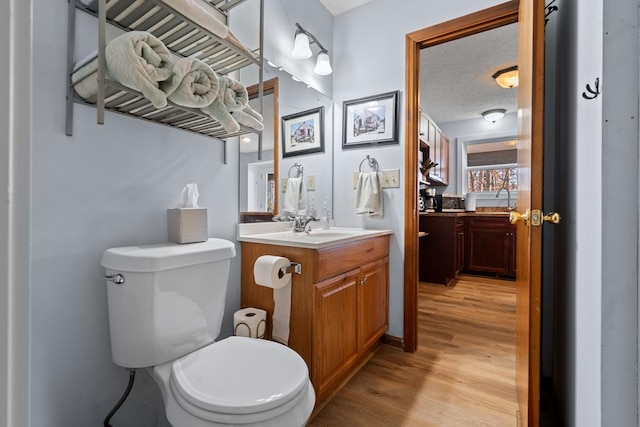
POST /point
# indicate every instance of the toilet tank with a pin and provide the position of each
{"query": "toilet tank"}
(171, 302)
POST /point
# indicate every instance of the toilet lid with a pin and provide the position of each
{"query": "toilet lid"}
(240, 375)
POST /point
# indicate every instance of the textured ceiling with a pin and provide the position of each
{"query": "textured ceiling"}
(455, 77)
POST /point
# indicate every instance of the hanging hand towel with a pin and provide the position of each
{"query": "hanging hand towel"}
(295, 197)
(369, 195)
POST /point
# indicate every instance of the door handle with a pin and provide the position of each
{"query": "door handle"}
(515, 217)
(535, 217)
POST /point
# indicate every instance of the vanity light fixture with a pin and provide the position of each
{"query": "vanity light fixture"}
(494, 115)
(507, 78)
(302, 50)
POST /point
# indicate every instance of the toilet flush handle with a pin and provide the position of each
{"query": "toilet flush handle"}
(118, 278)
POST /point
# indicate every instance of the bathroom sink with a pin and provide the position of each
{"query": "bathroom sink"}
(316, 238)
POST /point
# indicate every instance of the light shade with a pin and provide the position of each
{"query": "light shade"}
(507, 78)
(301, 49)
(323, 64)
(494, 115)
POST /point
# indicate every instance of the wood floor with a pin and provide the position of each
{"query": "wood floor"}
(463, 373)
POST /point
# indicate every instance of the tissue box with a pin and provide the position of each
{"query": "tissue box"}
(187, 225)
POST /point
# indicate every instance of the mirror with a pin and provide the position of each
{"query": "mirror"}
(261, 188)
(258, 177)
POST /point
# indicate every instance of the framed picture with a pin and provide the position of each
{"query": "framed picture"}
(303, 133)
(370, 121)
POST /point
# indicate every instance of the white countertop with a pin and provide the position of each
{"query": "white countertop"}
(280, 233)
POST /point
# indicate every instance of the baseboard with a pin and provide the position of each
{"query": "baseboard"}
(391, 340)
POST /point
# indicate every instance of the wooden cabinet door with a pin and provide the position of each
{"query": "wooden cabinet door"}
(459, 245)
(512, 250)
(335, 345)
(488, 248)
(373, 308)
(444, 160)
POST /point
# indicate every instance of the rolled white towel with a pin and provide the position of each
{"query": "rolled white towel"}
(193, 83)
(136, 59)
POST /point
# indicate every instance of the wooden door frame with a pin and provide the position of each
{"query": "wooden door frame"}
(486, 19)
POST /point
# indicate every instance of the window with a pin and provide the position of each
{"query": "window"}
(489, 165)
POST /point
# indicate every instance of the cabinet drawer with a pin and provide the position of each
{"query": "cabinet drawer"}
(488, 222)
(339, 259)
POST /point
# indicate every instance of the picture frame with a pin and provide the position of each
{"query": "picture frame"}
(303, 133)
(372, 120)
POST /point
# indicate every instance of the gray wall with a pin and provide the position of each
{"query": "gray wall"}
(105, 186)
(596, 300)
(620, 213)
(362, 69)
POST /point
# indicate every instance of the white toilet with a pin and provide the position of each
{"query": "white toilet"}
(165, 317)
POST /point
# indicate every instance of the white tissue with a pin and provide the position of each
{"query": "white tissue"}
(189, 196)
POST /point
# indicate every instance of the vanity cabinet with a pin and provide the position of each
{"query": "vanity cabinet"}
(434, 145)
(441, 255)
(491, 245)
(339, 304)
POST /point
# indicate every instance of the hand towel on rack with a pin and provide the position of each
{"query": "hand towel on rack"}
(232, 96)
(249, 118)
(369, 199)
(295, 196)
(193, 83)
(136, 59)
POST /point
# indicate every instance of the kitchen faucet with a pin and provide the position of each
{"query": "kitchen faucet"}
(509, 208)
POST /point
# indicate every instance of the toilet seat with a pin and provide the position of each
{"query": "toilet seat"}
(240, 380)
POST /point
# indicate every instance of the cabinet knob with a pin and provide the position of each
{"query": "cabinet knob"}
(363, 281)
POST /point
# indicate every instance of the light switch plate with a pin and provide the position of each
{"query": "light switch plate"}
(311, 183)
(389, 178)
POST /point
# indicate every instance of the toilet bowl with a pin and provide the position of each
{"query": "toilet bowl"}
(237, 381)
(166, 304)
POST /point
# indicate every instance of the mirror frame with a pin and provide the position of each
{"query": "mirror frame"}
(270, 87)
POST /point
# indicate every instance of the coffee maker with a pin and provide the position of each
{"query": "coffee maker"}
(430, 200)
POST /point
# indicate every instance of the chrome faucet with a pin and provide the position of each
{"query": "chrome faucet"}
(301, 223)
(509, 207)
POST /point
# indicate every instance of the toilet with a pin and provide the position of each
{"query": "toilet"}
(166, 304)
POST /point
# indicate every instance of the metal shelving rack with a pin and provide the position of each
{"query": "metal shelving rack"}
(183, 37)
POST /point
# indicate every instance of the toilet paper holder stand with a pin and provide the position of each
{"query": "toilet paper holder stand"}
(294, 268)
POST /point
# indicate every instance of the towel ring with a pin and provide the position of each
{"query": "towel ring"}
(371, 162)
(298, 168)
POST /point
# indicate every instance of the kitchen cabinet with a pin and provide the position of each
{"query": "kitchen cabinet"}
(441, 251)
(490, 245)
(339, 304)
(434, 145)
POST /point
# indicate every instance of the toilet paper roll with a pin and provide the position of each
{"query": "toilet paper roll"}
(266, 272)
(250, 322)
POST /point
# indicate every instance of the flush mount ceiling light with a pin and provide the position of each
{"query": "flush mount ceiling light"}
(494, 115)
(302, 50)
(507, 78)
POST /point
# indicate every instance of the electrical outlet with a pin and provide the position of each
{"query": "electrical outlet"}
(311, 182)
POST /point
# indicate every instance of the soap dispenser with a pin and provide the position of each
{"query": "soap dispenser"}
(324, 219)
